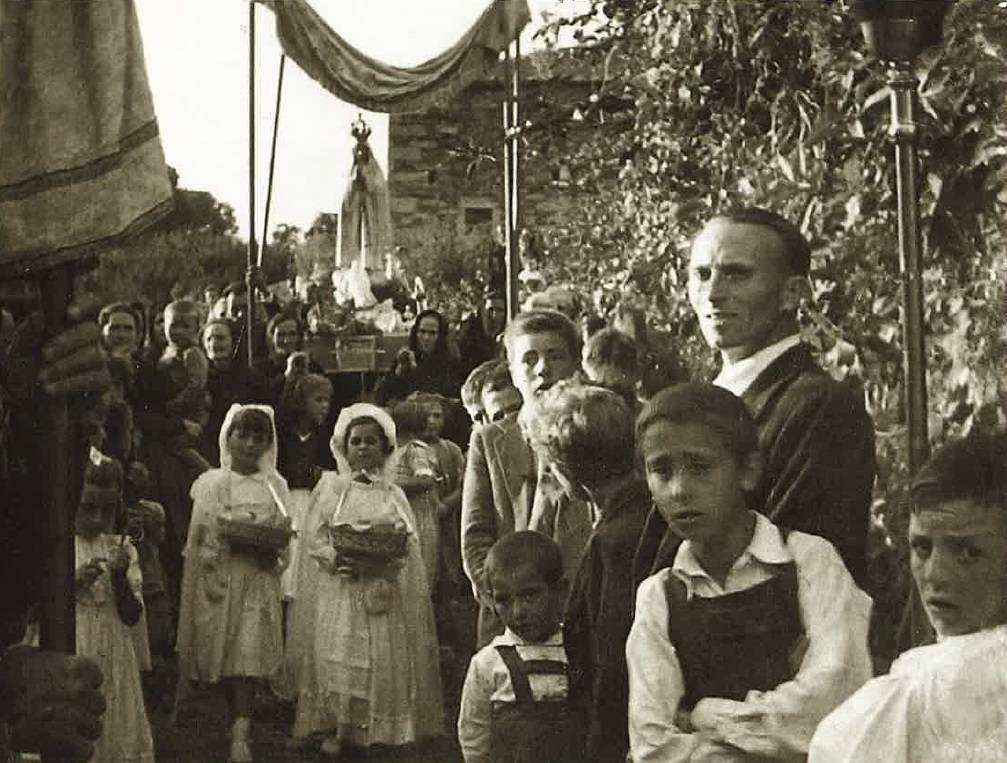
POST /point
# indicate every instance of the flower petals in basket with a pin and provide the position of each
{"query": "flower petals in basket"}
(383, 542)
(246, 527)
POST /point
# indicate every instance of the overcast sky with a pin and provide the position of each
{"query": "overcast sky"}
(197, 63)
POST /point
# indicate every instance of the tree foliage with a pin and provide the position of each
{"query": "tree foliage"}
(776, 104)
(194, 246)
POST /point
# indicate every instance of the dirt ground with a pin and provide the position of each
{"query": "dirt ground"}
(200, 732)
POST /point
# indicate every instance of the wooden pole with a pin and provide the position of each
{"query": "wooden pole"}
(272, 159)
(60, 474)
(252, 258)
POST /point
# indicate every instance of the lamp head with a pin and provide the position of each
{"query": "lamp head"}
(899, 30)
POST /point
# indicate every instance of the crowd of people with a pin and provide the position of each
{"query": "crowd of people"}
(660, 569)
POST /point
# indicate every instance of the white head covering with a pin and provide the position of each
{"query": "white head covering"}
(346, 417)
(267, 463)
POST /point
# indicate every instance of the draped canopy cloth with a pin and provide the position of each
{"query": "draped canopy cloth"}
(82, 165)
(358, 79)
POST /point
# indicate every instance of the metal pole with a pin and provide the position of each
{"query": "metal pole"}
(515, 151)
(252, 259)
(272, 159)
(509, 243)
(904, 132)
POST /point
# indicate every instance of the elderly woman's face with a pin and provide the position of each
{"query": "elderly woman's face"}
(427, 333)
(218, 342)
(959, 561)
(286, 337)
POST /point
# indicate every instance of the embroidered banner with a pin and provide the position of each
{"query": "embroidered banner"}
(82, 165)
(363, 81)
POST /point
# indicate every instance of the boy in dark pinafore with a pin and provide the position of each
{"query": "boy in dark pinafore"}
(516, 704)
(753, 635)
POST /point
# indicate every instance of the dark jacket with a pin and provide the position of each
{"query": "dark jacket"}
(817, 441)
(598, 618)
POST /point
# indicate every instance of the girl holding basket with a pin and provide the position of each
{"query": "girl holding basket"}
(230, 628)
(371, 674)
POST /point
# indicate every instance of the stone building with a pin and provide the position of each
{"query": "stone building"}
(445, 165)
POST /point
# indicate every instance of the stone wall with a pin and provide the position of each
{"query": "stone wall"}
(445, 173)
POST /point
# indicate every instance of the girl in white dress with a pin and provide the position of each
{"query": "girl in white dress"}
(230, 626)
(371, 676)
(109, 583)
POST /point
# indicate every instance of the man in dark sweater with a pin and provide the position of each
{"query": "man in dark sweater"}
(748, 273)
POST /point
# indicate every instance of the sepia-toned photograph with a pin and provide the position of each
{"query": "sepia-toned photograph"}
(503, 381)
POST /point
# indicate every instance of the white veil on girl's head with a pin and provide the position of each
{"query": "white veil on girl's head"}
(346, 417)
(267, 463)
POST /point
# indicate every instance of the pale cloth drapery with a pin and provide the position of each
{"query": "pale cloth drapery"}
(82, 164)
(356, 78)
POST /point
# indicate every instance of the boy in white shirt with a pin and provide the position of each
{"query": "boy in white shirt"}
(516, 705)
(754, 634)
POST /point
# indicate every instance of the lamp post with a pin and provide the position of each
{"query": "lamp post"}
(896, 32)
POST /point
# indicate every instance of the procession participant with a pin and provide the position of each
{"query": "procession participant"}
(166, 435)
(753, 634)
(369, 673)
(229, 625)
(49, 702)
(748, 274)
(945, 701)
(584, 434)
(501, 479)
(499, 396)
(478, 339)
(120, 330)
(416, 473)
(610, 360)
(284, 338)
(108, 606)
(658, 363)
(229, 381)
(303, 453)
(471, 391)
(430, 367)
(517, 704)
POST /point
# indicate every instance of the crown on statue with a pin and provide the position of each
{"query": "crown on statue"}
(360, 130)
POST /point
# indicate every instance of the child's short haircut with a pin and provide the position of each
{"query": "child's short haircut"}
(137, 482)
(543, 322)
(252, 420)
(410, 418)
(973, 469)
(526, 548)
(296, 392)
(610, 347)
(700, 403)
(498, 378)
(181, 307)
(472, 389)
(585, 430)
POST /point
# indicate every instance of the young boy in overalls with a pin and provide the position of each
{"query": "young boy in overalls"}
(516, 705)
(753, 635)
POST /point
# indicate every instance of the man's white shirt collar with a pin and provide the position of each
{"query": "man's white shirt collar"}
(738, 377)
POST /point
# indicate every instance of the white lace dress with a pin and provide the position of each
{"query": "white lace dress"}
(371, 673)
(230, 621)
(107, 640)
